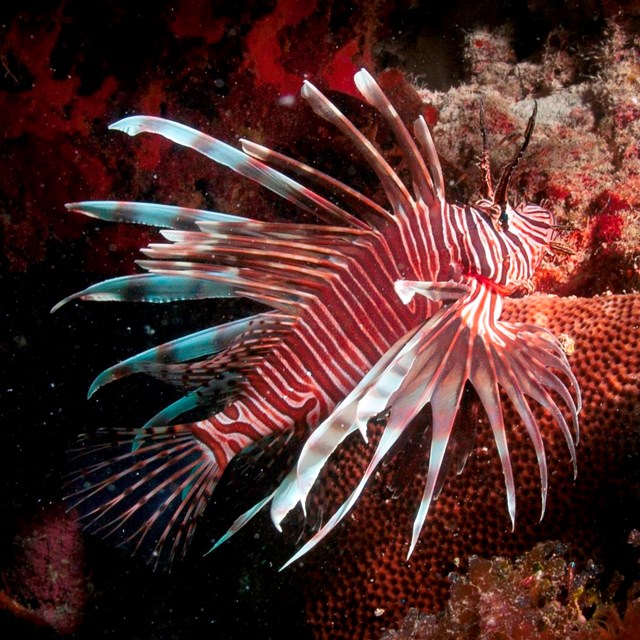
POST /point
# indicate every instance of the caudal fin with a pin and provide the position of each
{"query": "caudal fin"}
(145, 488)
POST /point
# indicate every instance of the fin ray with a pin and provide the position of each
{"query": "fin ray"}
(240, 162)
(191, 347)
(155, 288)
(154, 215)
(369, 88)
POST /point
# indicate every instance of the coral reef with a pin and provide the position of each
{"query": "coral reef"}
(538, 596)
(44, 583)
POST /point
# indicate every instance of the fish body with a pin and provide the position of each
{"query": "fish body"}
(370, 317)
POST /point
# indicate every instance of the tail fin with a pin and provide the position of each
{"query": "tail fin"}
(145, 488)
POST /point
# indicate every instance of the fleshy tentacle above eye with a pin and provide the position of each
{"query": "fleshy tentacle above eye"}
(464, 341)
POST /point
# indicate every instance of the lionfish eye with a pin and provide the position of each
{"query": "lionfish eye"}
(503, 219)
(498, 215)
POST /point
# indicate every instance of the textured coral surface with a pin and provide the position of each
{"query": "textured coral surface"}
(539, 596)
(47, 569)
(233, 69)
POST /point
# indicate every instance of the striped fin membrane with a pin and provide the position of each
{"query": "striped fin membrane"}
(191, 347)
(144, 488)
(147, 487)
(154, 215)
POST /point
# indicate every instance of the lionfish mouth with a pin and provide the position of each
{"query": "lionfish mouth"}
(406, 337)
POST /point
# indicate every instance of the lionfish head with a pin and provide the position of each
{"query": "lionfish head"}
(533, 225)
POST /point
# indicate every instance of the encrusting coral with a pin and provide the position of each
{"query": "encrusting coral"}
(538, 596)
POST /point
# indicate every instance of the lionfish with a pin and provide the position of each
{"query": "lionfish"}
(368, 319)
